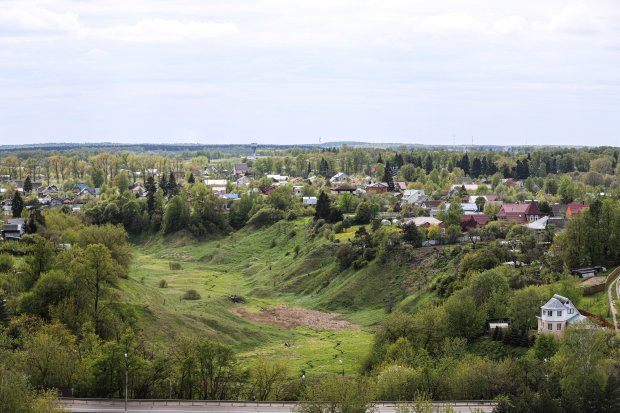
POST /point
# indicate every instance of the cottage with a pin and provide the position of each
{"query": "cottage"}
(557, 314)
(377, 188)
(426, 222)
(309, 200)
(575, 208)
(414, 196)
(343, 188)
(240, 169)
(522, 213)
(14, 228)
(472, 221)
(339, 177)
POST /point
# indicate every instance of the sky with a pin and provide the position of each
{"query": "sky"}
(296, 71)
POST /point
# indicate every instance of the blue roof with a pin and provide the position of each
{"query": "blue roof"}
(230, 196)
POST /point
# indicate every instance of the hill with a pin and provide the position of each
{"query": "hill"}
(255, 287)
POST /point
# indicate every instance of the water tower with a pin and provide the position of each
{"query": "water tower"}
(254, 145)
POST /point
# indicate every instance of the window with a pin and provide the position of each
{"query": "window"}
(559, 314)
(559, 326)
(570, 311)
(549, 326)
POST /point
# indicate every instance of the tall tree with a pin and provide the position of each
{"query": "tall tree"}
(17, 205)
(28, 185)
(388, 177)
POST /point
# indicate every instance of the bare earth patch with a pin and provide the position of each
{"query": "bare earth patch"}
(291, 317)
(592, 281)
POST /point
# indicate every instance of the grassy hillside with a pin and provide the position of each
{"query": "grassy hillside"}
(282, 265)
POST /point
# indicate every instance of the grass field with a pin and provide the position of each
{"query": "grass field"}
(248, 265)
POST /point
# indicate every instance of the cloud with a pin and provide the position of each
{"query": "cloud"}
(164, 30)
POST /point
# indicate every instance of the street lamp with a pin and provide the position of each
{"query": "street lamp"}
(340, 361)
(126, 380)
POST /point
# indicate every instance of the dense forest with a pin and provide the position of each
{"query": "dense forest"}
(68, 326)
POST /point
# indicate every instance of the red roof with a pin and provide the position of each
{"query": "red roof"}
(519, 212)
(575, 208)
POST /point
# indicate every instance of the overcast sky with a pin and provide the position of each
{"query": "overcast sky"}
(291, 71)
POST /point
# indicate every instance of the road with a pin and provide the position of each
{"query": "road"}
(160, 406)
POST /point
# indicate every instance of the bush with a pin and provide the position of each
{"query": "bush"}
(175, 266)
(273, 243)
(6, 263)
(191, 295)
(265, 216)
(163, 284)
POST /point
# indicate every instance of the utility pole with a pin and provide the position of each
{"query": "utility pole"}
(126, 380)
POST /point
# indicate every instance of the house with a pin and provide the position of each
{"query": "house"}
(7, 209)
(472, 221)
(426, 222)
(215, 182)
(557, 314)
(574, 208)
(298, 189)
(309, 200)
(343, 188)
(400, 185)
(431, 203)
(240, 169)
(79, 187)
(558, 210)
(466, 187)
(14, 228)
(414, 196)
(278, 178)
(377, 188)
(487, 198)
(538, 225)
(244, 180)
(339, 177)
(522, 213)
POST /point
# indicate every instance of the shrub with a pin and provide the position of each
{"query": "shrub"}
(6, 263)
(175, 266)
(273, 243)
(266, 216)
(191, 295)
(163, 284)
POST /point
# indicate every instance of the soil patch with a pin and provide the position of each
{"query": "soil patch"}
(592, 281)
(291, 317)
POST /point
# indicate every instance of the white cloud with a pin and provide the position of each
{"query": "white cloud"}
(164, 30)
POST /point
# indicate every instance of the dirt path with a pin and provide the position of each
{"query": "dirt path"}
(292, 317)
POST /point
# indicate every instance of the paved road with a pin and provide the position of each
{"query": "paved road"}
(107, 406)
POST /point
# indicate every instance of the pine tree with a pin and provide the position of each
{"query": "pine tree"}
(379, 159)
(191, 178)
(324, 168)
(28, 185)
(464, 164)
(163, 184)
(388, 177)
(322, 206)
(17, 205)
(151, 188)
(476, 168)
(172, 185)
(428, 164)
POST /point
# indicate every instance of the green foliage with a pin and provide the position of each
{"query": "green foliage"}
(6, 263)
(265, 216)
(332, 394)
(191, 295)
(163, 284)
(176, 215)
